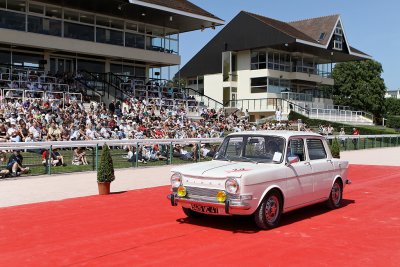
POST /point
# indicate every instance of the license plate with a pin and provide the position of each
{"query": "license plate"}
(204, 209)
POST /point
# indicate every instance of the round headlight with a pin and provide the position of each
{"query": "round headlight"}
(176, 180)
(232, 186)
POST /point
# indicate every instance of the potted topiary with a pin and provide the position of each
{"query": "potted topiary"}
(105, 172)
(335, 149)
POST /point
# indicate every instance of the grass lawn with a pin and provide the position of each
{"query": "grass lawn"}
(34, 161)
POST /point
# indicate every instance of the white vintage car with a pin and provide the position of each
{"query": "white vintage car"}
(261, 173)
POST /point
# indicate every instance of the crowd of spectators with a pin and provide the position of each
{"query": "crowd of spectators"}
(153, 113)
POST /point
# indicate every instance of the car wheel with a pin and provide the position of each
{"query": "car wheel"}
(190, 213)
(269, 212)
(336, 195)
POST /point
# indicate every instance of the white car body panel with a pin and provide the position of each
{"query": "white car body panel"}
(301, 183)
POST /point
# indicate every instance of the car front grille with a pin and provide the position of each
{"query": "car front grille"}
(206, 192)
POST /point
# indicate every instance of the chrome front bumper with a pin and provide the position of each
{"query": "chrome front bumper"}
(228, 205)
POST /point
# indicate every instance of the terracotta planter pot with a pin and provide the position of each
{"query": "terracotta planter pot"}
(104, 188)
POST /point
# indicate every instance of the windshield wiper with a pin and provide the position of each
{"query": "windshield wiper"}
(223, 157)
(250, 159)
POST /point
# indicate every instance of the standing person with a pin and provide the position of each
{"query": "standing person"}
(14, 164)
(342, 137)
(111, 107)
(355, 132)
(278, 115)
(330, 130)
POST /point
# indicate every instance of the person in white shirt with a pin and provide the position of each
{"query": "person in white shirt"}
(278, 115)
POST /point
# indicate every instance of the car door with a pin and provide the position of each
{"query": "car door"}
(299, 175)
(322, 167)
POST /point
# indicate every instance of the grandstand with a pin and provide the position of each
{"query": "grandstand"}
(93, 50)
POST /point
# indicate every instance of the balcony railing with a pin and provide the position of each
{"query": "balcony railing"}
(297, 96)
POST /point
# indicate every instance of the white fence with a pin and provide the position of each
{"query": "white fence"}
(23, 94)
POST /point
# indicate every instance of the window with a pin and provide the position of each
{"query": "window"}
(44, 26)
(132, 27)
(267, 149)
(86, 18)
(17, 5)
(295, 151)
(78, 31)
(12, 21)
(53, 12)
(259, 85)
(71, 15)
(277, 85)
(322, 36)
(134, 40)
(38, 9)
(338, 45)
(316, 149)
(258, 60)
(109, 36)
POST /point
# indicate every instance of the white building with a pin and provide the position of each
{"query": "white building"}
(261, 64)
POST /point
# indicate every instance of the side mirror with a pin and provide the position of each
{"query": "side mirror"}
(293, 159)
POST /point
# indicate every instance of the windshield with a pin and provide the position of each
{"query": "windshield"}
(252, 148)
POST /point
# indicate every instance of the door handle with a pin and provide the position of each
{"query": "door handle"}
(307, 163)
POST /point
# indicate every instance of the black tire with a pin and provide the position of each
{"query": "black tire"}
(268, 214)
(190, 213)
(335, 196)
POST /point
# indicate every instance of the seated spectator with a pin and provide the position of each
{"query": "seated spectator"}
(55, 160)
(155, 154)
(47, 160)
(14, 164)
(4, 173)
(79, 157)
(57, 156)
(205, 152)
(54, 133)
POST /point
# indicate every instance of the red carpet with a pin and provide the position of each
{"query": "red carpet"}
(140, 228)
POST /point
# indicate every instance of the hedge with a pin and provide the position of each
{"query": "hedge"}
(393, 122)
(365, 130)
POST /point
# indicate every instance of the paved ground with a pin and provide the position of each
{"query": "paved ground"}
(140, 228)
(58, 187)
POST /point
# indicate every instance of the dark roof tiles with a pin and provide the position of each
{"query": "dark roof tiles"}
(315, 26)
(283, 27)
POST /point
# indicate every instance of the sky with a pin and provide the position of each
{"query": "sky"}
(371, 26)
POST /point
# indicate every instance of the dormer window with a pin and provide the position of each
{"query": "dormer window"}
(338, 44)
(338, 31)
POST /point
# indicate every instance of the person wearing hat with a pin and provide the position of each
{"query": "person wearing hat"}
(14, 164)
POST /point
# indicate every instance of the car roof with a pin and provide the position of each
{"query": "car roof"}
(285, 134)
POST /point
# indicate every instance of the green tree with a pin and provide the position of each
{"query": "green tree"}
(360, 85)
(105, 173)
(392, 106)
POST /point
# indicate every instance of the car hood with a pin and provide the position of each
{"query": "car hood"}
(221, 169)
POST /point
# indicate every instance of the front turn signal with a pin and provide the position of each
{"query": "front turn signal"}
(221, 196)
(181, 191)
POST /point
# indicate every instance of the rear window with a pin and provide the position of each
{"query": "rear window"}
(316, 149)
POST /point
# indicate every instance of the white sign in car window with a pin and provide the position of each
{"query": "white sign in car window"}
(277, 157)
